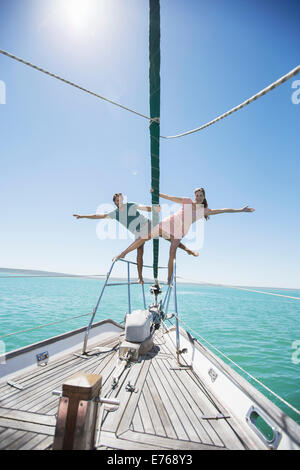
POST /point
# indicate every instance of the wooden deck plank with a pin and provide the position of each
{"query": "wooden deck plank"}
(191, 409)
(137, 424)
(61, 366)
(31, 396)
(9, 437)
(19, 439)
(202, 404)
(180, 405)
(166, 422)
(104, 368)
(132, 402)
(197, 400)
(227, 429)
(46, 443)
(110, 421)
(167, 397)
(25, 426)
(64, 359)
(109, 439)
(33, 443)
(27, 376)
(166, 443)
(147, 421)
(50, 403)
(157, 424)
(39, 394)
(224, 428)
(27, 416)
(135, 378)
(45, 378)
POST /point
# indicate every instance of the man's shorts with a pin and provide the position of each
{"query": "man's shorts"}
(144, 231)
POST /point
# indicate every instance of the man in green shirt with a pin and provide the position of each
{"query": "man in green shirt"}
(129, 216)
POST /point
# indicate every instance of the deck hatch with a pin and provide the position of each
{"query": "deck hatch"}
(262, 426)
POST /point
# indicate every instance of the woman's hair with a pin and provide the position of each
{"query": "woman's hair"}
(115, 195)
(204, 200)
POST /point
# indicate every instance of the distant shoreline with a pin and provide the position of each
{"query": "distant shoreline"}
(39, 273)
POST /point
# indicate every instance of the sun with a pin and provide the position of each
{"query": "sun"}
(78, 14)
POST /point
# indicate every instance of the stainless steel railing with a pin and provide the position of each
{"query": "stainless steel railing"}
(108, 284)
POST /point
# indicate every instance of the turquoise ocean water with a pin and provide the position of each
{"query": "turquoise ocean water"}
(259, 332)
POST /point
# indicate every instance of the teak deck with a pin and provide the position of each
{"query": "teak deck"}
(165, 411)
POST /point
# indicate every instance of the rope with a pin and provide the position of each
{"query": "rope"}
(243, 370)
(42, 326)
(156, 119)
(75, 85)
(281, 80)
(240, 288)
(75, 276)
(267, 293)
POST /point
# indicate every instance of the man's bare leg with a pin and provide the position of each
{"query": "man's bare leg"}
(139, 259)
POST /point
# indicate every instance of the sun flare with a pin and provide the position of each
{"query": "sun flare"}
(79, 13)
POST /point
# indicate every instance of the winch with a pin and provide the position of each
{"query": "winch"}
(139, 328)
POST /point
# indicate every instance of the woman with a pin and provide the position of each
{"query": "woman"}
(177, 225)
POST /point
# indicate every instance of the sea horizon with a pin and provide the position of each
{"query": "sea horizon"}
(38, 272)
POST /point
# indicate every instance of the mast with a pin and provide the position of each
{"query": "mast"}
(154, 78)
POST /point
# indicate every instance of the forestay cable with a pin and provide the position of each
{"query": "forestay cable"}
(155, 119)
(243, 370)
(281, 80)
(240, 288)
(72, 84)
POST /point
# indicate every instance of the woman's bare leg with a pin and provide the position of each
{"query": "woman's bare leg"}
(173, 248)
(189, 252)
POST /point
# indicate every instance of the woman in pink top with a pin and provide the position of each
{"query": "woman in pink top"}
(176, 226)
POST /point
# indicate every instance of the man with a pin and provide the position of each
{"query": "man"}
(129, 216)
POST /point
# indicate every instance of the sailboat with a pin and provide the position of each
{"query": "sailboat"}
(145, 384)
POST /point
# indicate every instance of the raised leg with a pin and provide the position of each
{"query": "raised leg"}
(189, 252)
(134, 246)
(139, 242)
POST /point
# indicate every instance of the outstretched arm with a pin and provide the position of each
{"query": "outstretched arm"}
(149, 208)
(95, 216)
(179, 200)
(228, 211)
(144, 208)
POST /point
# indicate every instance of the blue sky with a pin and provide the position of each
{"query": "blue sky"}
(63, 151)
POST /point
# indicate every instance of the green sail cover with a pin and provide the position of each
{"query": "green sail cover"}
(154, 75)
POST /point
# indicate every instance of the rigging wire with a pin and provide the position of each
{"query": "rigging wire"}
(238, 287)
(46, 324)
(74, 84)
(243, 370)
(263, 92)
